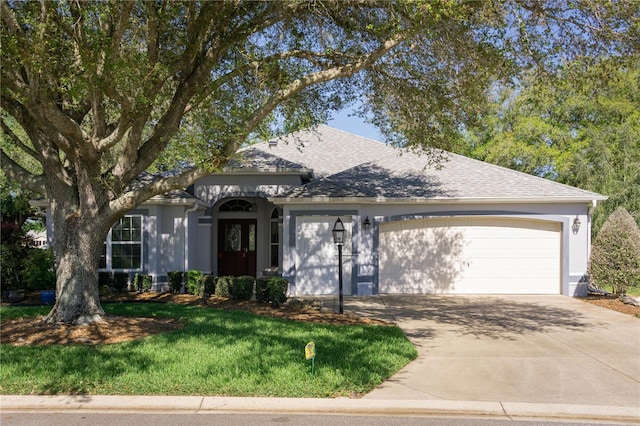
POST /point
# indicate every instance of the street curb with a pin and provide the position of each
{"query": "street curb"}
(206, 404)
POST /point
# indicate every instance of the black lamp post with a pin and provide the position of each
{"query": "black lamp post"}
(338, 239)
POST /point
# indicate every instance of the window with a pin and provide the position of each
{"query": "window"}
(275, 239)
(237, 206)
(123, 246)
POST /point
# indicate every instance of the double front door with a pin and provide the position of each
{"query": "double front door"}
(237, 247)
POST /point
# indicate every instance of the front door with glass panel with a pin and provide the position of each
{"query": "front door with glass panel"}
(237, 247)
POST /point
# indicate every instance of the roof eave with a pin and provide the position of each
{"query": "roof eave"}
(267, 170)
(159, 200)
(435, 200)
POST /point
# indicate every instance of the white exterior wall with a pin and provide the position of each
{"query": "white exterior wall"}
(199, 242)
(171, 244)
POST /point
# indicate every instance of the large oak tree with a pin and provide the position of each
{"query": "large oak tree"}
(96, 93)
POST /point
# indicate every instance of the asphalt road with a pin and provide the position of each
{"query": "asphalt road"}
(140, 419)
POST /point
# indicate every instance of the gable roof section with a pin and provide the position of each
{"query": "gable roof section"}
(348, 167)
(258, 160)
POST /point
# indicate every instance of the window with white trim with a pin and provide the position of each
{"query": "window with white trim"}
(274, 240)
(123, 245)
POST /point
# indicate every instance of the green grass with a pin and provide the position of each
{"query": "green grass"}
(216, 353)
(633, 291)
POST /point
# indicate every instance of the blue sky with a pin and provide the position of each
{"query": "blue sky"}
(345, 120)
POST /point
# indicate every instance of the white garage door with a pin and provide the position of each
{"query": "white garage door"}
(470, 256)
(317, 257)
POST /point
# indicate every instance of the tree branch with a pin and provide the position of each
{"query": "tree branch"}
(18, 173)
(318, 77)
(18, 142)
(137, 195)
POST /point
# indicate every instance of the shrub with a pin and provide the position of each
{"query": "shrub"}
(120, 280)
(615, 256)
(242, 287)
(175, 280)
(277, 290)
(223, 286)
(142, 282)
(194, 282)
(39, 269)
(147, 282)
(271, 289)
(262, 289)
(13, 252)
(105, 279)
(209, 285)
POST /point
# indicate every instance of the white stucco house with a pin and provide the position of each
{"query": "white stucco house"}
(466, 227)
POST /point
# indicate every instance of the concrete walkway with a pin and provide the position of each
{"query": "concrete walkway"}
(504, 357)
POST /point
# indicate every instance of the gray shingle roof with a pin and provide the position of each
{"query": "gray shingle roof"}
(258, 159)
(350, 166)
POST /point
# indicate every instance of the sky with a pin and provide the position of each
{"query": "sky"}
(347, 121)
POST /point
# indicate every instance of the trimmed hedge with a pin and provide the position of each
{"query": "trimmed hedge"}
(105, 279)
(242, 287)
(120, 280)
(223, 286)
(262, 289)
(194, 282)
(209, 285)
(142, 282)
(272, 289)
(175, 281)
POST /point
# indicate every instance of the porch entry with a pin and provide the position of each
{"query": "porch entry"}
(237, 247)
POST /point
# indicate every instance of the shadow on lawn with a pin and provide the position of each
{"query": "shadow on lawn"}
(217, 352)
(350, 359)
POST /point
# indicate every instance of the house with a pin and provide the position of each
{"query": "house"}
(463, 226)
(38, 238)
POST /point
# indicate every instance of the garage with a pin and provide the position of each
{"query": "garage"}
(317, 256)
(474, 255)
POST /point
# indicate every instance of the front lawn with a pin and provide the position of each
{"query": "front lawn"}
(217, 352)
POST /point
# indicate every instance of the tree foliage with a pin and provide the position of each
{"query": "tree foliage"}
(615, 257)
(16, 247)
(583, 130)
(95, 93)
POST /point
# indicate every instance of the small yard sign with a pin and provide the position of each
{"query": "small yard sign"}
(310, 354)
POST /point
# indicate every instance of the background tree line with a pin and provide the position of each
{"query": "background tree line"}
(580, 127)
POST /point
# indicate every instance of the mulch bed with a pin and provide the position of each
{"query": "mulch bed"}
(33, 331)
(613, 304)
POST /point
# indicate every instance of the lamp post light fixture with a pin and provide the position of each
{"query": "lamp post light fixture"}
(576, 225)
(338, 238)
(367, 223)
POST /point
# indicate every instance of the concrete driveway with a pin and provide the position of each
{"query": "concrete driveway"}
(538, 349)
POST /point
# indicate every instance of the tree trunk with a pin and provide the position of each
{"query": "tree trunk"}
(77, 248)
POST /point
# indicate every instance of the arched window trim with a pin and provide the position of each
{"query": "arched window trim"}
(237, 205)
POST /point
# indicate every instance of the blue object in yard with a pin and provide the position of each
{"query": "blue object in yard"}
(48, 296)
